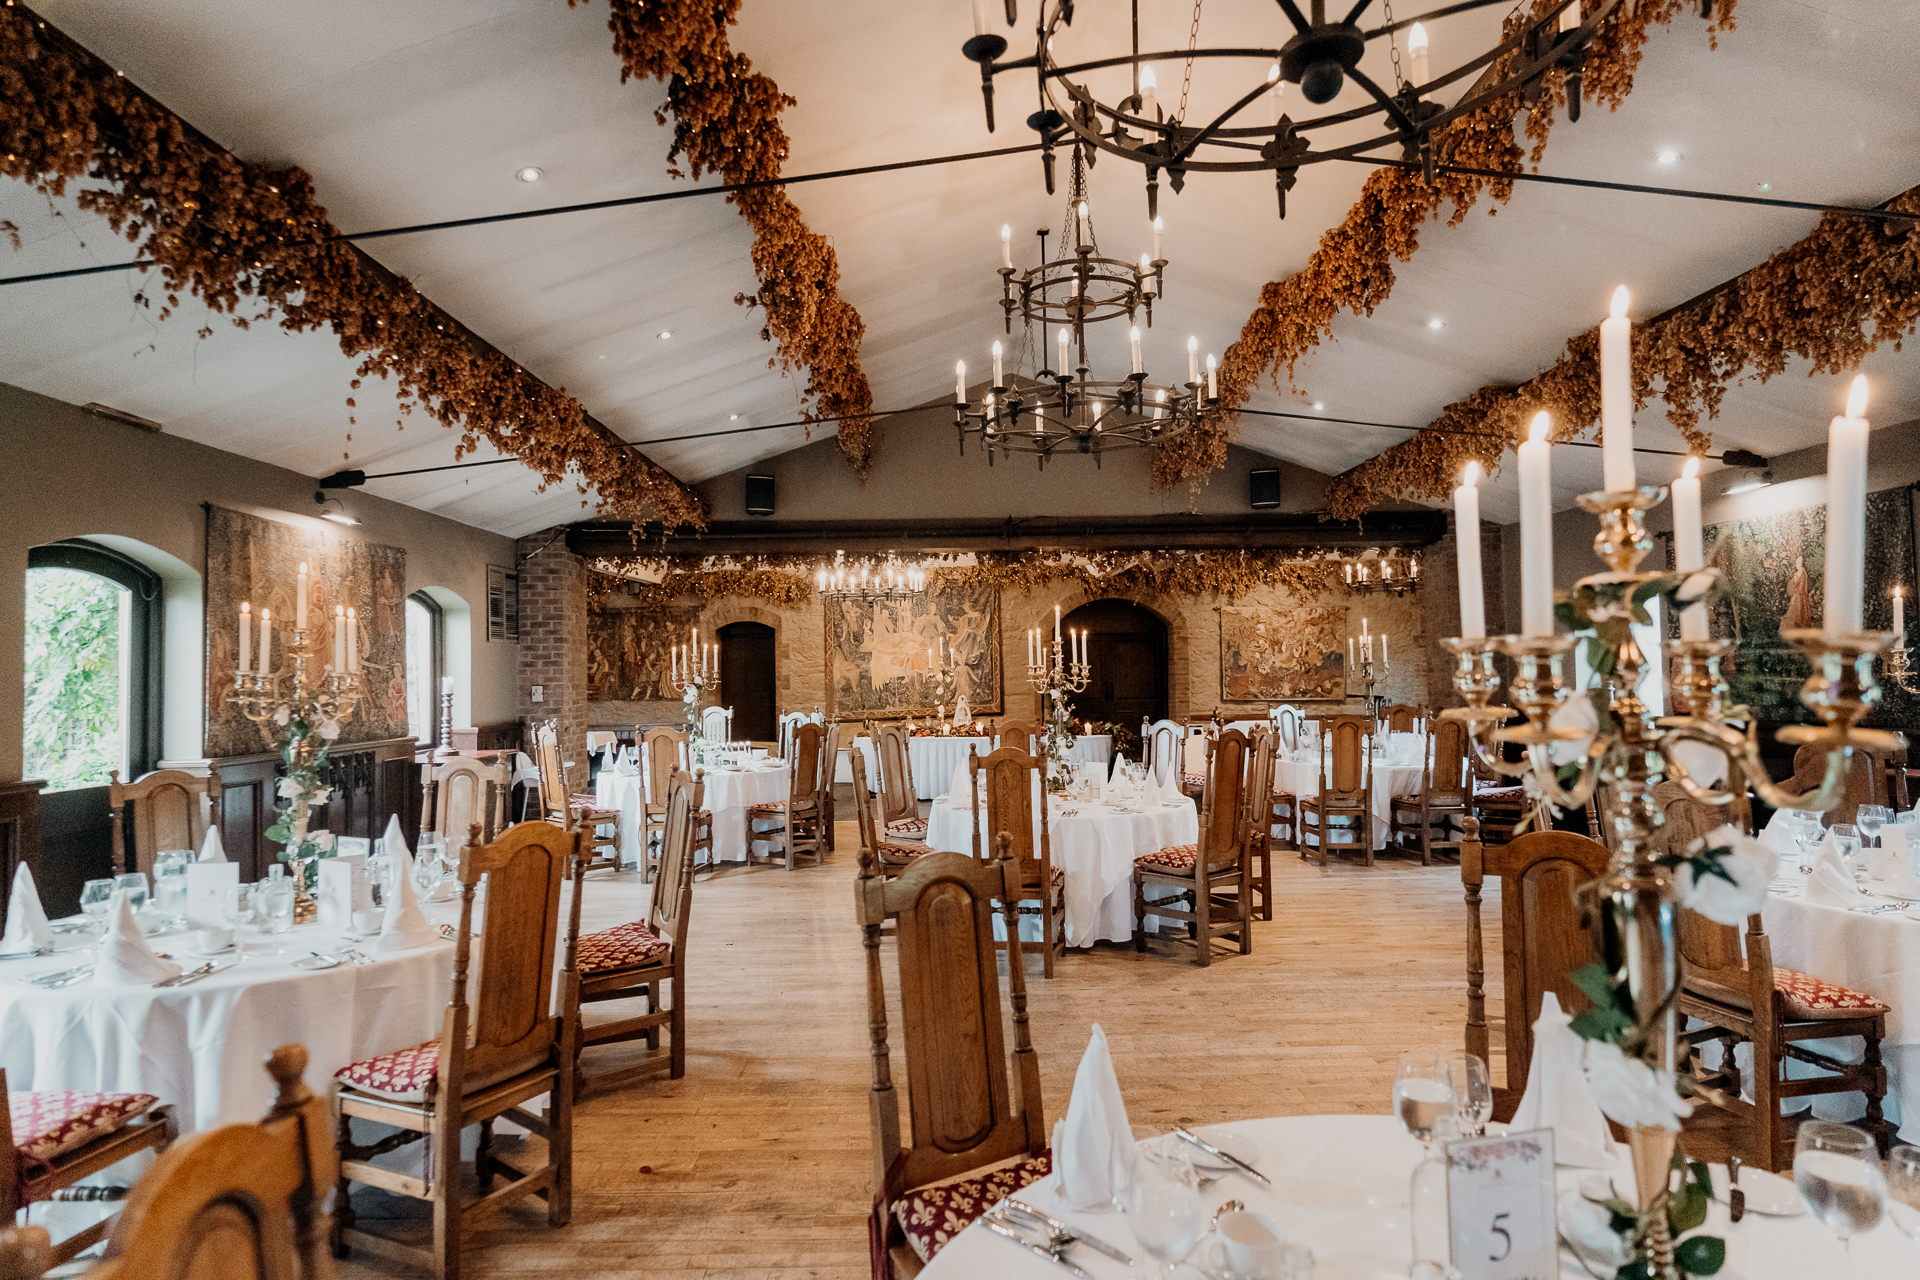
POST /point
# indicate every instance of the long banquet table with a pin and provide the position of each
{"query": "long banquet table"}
(1095, 844)
(1340, 1188)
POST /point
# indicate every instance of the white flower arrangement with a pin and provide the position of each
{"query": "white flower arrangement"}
(1629, 1091)
(1725, 874)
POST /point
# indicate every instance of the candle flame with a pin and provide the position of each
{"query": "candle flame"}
(959, 368)
(1857, 398)
(1006, 231)
(1691, 470)
(996, 351)
(1542, 423)
(245, 607)
(1148, 82)
(1133, 335)
(1193, 344)
(1620, 300)
(266, 615)
(1159, 224)
(1417, 38)
(1470, 476)
(1273, 72)
(1209, 362)
(1083, 210)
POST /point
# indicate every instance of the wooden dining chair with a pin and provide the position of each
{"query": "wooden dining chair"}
(1261, 808)
(829, 767)
(167, 809)
(1402, 717)
(565, 808)
(461, 792)
(1430, 821)
(1162, 754)
(796, 824)
(1543, 938)
(1012, 782)
(1340, 813)
(899, 803)
(892, 856)
(1286, 723)
(716, 724)
(59, 1137)
(663, 753)
(508, 1049)
(976, 1126)
(1193, 757)
(638, 959)
(1866, 779)
(240, 1202)
(1211, 876)
(1021, 735)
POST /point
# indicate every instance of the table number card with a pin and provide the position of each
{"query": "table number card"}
(1500, 1204)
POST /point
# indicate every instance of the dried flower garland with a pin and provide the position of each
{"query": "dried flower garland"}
(1352, 270)
(1850, 286)
(727, 121)
(249, 238)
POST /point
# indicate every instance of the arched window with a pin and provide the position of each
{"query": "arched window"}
(426, 664)
(92, 665)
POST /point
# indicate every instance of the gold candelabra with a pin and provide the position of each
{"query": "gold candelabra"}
(1053, 677)
(1896, 669)
(1371, 674)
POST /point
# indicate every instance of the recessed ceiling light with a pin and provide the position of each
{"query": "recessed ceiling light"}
(529, 174)
(603, 357)
(1317, 406)
(1668, 156)
(1764, 186)
(1436, 323)
(733, 417)
(665, 334)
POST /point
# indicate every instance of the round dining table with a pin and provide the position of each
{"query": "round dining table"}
(1340, 1189)
(1298, 774)
(730, 791)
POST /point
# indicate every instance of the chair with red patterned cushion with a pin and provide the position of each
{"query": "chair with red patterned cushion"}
(490, 1059)
(242, 1200)
(1011, 782)
(797, 825)
(978, 1129)
(899, 803)
(1430, 820)
(1213, 876)
(635, 960)
(1340, 813)
(893, 856)
(60, 1136)
(566, 809)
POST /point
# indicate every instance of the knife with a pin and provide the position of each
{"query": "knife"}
(182, 979)
(1020, 1207)
(1736, 1198)
(1002, 1229)
(28, 954)
(1189, 1136)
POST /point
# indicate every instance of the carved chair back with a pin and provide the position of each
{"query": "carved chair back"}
(803, 771)
(1346, 759)
(1448, 776)
(863, 800)
(665, 748)
(1223, 807)
(1022, 735)
(553, 774)
(1866, 779)
(1257, 794)
(830, 757)
(461, 792)
(1012, 788)
(1286, 723)
(170, 809)
(897, 800)
(1163, 752)
(716, 723)
(1402, 717)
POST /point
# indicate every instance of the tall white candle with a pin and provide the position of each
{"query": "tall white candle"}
(246, 636)
(353, 642)
(1847, 514)
(1193, 361)
(998, 379)
(1213, 379)
(1689, 545)
(266, 641)
(1350, 662)
(1056, 624)
(1616, 395)
(339, 637)
(1086, 224)
(446, 684)
(1146, 276)
(1417, 46)
(1159, 225)
(1536, 531)
(1133, 337)
(1383, 648)
(1062, 370)
(1466, 546)
(1006, 245)
(1899, 616)
(959, 381)
(300, 599)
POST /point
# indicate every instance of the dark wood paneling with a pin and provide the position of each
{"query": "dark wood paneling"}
(19, 833)
(372, 781)
(246, 811)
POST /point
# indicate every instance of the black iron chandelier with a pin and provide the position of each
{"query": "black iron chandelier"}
(1063, 409)
(1319, 54)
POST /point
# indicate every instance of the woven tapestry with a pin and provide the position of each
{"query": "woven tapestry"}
(1283, 655)
(877, 659)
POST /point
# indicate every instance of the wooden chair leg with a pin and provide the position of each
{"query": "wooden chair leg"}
(653, 1006)
(342, 1196)
(446, 1191)
(560, 1135)
(1139, 913)
(677, 1027)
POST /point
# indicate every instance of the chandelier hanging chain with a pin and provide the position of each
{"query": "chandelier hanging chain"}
(1393, 45)
(1193, 42)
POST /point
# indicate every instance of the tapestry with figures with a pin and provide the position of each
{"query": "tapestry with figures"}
(1283, 655)
(881, 655)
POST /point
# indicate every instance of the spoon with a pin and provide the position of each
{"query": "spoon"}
(1231, 1206)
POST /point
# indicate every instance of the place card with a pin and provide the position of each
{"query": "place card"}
(1500, 1205)
(344, 845)
(343, 889)
(207, 885)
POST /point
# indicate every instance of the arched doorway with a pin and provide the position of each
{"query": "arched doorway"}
(1127, 651)
(746, 679)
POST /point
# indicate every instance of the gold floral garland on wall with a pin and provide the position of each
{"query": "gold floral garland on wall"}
(727, 121)
(1352, 269)
(250, 238)
(1850, 286)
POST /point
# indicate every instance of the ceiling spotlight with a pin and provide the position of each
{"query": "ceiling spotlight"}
(1764, 186)
(733, 417)
(664, 334)
(1317, 406)
(529, 174)
(603, 357)
(1669, 156)
(1436, 323)
(1750, 480)
(339, 513)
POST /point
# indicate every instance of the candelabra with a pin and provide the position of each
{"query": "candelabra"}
(1055, 675)
(1395, 575)
(1371, 674)
(1896, 669)
(446, 750)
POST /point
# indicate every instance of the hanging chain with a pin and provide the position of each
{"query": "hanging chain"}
(1186, 82)
(1393, 43)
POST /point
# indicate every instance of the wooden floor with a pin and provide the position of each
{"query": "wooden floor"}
(756, 1163)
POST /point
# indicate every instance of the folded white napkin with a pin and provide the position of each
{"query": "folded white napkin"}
(27, 927)
(124, 958)
(1096, 1119)
(211, 850)
(1778, 834)
(405, 925)
(1558, 1096)
(393, 843)
(1831, 884)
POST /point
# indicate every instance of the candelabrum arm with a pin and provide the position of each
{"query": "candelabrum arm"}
(1742, 751)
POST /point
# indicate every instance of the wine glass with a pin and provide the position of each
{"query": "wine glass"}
(1422, 1091)
(1903, 1190)
(1846, 842)
(1475, 1104)
(1805, 829)
(237, 906)
(1837, 1171)
(1160, 1194)
(1870, 818)
(95, 897)
(135, 884)
(379, 874)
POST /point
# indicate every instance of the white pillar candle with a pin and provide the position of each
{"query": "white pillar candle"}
(1899, 617)
(1467, 553)
(1847, 514)
(1350, 661)
(446, 684)
(1086, 224)
(959, 381)
(1146, 276)
(339, 638)
(1133, 337)
(246, 636)
(1159, 225)
(1689, 546)
(300, 599)
(999, 379)
(1383, 648)
(1616, 395)
(1056, 624)
(1006, 245)
(1062, 370)
(1193, 362)
(266, 641)
(1213, 379)
(1417, 46)
(1149, 94)
(353, 642)
(1536, 531)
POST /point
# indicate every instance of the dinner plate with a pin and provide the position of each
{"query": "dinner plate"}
(1767, 1193)
(1231, 1141)
(208, 955)
(317, 962)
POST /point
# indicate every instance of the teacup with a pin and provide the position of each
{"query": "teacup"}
(368, 921)
(211, 940)
(1248, 1246)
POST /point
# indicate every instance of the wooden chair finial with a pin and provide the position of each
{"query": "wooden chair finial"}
(288, 1067)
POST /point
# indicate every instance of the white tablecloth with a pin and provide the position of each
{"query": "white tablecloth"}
(201, 1046)
(1340, 1189)
(729, 793)
(1091, 748)
(1096, 849)
(1302, 778)
(933, 760)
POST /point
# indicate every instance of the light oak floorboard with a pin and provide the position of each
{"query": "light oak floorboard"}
(756, 1164)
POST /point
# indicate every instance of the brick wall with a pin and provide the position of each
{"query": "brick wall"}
(553, 640)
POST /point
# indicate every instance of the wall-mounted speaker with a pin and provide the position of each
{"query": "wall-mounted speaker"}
(1263, 488)
(760, 495)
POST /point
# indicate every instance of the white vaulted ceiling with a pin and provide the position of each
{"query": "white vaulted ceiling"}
(411, 111)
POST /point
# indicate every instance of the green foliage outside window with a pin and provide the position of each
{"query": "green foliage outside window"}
(73, 729)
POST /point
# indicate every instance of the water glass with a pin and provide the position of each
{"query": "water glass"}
(134, 883)
(1870, 818)
(379, 874)
(237, 906)
(1903, 1190)
(427, 866)
(1906, 819)
(1475, 1104)
(170, 883)
(1846, 842)
(1836, 1169)
(279, 899)
(1422, 1091)
(95, 897)
(1160, 1194)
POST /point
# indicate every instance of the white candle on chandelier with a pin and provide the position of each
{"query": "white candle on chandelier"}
(1616, 395)
(1899, 617)
(1149, 99)
(1193, 362)
(998, 379)
(1146, 276)
(1351, 664)
(1133, 337)
(673, 656)
(339, 638)
(1159, 225)
(1466, 540)
(1006, 245)
(959, 381)
(1536, 531)
(1062, 370)
(1689, 547)
(1213, 379)
(1847, 513)
(1383, 650)
(1417, 47)
(980, 17)
(1570, 16)
(300, 599)
(1273, 98)
(1086, 223)
(266, 641)
(353, 642)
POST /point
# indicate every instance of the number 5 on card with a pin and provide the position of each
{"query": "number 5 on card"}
(1500, 1205)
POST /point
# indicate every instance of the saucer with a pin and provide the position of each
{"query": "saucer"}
(208, 955)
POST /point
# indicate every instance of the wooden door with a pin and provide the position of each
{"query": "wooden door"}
(1127, 651)
(747, 680)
